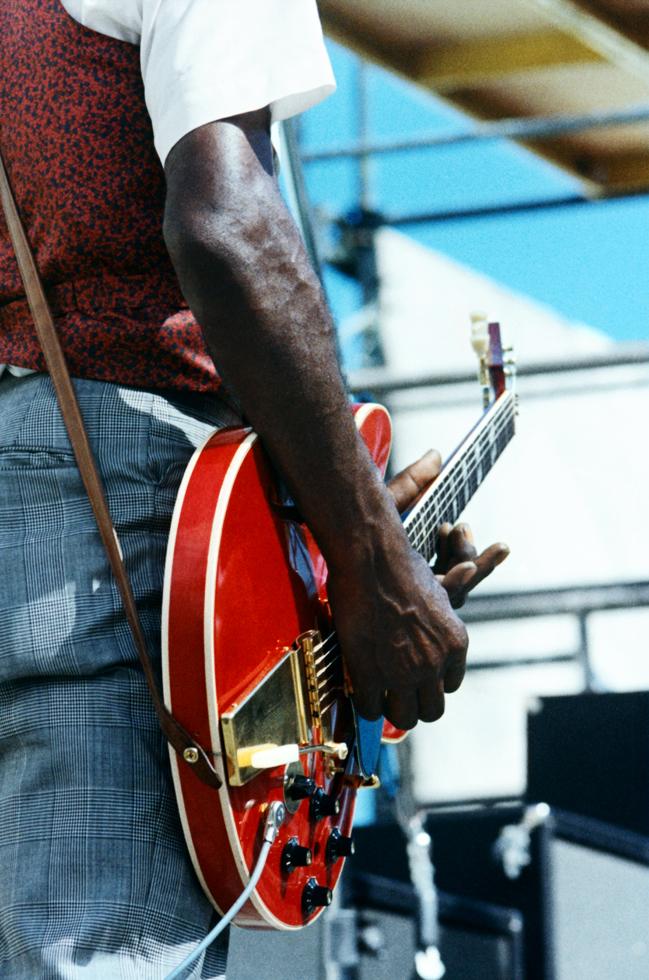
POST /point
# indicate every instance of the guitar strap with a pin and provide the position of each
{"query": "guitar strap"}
(178, 737)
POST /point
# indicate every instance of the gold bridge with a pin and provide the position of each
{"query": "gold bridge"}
(281, 715)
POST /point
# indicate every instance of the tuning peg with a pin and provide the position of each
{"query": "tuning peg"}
(480, 333)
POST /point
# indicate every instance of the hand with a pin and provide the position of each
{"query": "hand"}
(402, 644)
(458, 566)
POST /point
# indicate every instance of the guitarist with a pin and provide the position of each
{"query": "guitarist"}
(136, 222)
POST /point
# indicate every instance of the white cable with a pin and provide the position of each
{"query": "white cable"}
(274, 819)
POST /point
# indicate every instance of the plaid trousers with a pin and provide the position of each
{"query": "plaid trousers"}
(95, 882)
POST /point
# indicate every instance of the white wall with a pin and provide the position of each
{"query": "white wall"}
(569, 496)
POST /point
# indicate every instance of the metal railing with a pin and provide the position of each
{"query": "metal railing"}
(380, 381)
(530, 128)
(579, 601)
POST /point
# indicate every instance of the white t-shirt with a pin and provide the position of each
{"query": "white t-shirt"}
(204, 60)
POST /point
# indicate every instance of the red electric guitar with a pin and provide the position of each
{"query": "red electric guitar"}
(252, 667)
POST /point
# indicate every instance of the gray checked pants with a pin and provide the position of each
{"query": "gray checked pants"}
(95, 883)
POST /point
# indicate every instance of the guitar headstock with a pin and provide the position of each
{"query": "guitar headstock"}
(496, 370)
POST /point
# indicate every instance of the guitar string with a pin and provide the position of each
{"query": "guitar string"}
(324, 655)
(445, 506)
(333, 663)
(500, 427)
(448, 498)
(444, 494)
(500, 422)
(325, 670)
(325, 694)
(328, 705)
(479, 451)
(449, 491)
(333, 678)
(329, 653)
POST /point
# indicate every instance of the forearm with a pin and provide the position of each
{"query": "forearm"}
(244, 271)
(247, 278)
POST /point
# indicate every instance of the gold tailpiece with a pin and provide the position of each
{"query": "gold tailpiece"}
(280, 717)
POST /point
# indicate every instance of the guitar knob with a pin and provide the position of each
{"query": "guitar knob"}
(315, 896)
(299, 787)
(295, 856)
(323, 805)
(338, 847)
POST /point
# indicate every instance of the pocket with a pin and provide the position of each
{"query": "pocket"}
(35, 458)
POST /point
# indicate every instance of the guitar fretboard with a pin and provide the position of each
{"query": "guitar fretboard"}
(461, 476)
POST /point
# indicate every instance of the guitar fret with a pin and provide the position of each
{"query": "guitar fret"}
(451, 493)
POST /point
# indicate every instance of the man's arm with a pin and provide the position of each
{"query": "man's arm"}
(244, 271)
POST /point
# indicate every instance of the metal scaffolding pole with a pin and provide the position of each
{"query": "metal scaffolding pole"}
(531, 128)
(498, 210)
(577, 600)
(381, 382)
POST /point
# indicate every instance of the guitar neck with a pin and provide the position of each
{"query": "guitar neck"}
(461, 476)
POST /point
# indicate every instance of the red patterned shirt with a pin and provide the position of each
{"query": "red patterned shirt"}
(79, 147)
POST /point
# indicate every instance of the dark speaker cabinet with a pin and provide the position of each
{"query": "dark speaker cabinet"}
(589, 754)
(580, 905)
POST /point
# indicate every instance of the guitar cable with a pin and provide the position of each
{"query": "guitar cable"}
(274, 819)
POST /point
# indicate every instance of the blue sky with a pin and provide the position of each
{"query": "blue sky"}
(591, 262)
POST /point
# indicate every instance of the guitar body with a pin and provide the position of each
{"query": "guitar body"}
(243, 581)
(252, 669)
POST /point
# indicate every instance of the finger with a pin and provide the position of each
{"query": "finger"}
(442, 549)
(408, 485)
(401, 707)
(461, 546)
(490, 558)
(455, 664)
(454, 676)
(458, 582)
(431, 702)
(369, 702)
(484, 565)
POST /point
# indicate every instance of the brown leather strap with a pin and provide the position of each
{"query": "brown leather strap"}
(173, 731)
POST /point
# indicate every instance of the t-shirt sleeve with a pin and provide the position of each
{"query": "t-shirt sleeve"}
(204, 60)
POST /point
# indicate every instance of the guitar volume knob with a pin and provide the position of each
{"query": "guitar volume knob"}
(323, 805)
(315, 896)
(295, 855)
(338, 846)
(299, 788)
